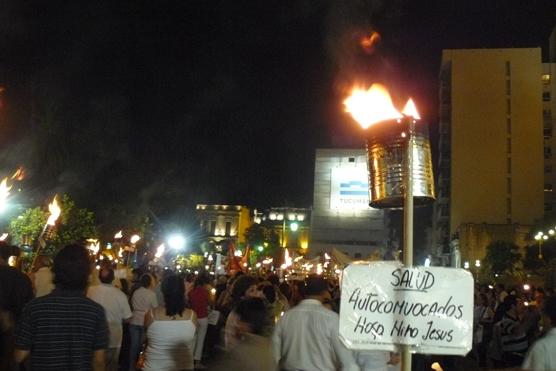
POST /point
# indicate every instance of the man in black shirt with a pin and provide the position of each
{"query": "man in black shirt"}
(64, 330)
(15, 291)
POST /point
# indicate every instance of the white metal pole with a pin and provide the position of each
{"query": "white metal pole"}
(408, 223)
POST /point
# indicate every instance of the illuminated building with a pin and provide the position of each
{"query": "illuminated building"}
(292, 226)
(491, 160)
(224, 223)
(341, 217)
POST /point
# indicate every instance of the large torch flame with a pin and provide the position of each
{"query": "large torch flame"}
(410, 110)
(160, 251)
(54, 210)
(118, 235)
(4, 193)
(371, 106)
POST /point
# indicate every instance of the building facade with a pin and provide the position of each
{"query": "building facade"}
(224, 223)
(491, 160)
(291, 225)
(341, 217)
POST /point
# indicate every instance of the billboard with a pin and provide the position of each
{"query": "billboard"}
(349, 188)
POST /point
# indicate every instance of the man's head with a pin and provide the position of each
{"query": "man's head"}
(106, 275)
(72, 266)
(252, 315)
(549, 312)
(6, 251)
(316, 287)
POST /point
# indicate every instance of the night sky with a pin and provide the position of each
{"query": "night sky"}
(154, 106)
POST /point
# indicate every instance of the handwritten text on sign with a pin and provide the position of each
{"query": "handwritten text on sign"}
(384, 304)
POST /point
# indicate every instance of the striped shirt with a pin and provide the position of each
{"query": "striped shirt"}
(62, 330)
(512, 343)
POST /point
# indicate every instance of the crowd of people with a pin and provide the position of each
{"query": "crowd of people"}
(70, 316)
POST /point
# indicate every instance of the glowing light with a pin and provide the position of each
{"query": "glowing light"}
(427, 262)
(238, 253)
(176, 241)
(4, 193)
(526, 287)
(287, 259)
(3, 237)
(294, 227)
(12, 260)
(210, 258)
(371, 106)
(260, 248)
(326, 256)
(118, 235)
(213, 291)
(258, 265)
(134, 239)
(369, 42)
(178, 266)
(477, 263)
(97, 267)
(466, 265)
(319, 269)
(160, 251)
(411, 110)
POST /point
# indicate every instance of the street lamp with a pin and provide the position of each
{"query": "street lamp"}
(540, 237)
(176, 241)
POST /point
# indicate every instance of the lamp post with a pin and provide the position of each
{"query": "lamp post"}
(540, 237)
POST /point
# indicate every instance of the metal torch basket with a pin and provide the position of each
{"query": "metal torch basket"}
(386, 155)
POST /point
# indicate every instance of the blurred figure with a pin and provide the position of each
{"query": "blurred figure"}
(116, 309)
(42, 277)
(15, 291)
(244, 287)
(143, 300)
(170, 330)
(307, 336)
(509, 339)
(199, 302)
(64, 330)
(541, 356)
(253, 351)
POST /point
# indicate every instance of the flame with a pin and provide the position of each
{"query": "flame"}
(287, 259)
(118, 235)
(19, 174)
(134, 239)
(369, 42)
(411, 110)
(95, 248)
(159, 251)
(4, 193)
(54, 210)
(3, 237)
(371, 106)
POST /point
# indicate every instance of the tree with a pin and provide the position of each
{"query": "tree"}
(74, 225)
(260, 235)
(502, 257)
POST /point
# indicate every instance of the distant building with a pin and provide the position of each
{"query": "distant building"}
(491, 170)
(292, 225)
(224, 223)
(341, 217)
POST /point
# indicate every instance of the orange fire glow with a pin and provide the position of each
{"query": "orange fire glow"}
(411, 110)
(371, 106)
(118, 235)
(19, 175)
(4, 193)
(54, 210)
(369, 42)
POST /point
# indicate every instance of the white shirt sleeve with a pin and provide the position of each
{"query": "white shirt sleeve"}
(277, 341)
(344, 355)
(535, 359)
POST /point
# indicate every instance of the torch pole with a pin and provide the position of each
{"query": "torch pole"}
(408, 223)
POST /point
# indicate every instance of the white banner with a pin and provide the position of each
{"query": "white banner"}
(384, 304)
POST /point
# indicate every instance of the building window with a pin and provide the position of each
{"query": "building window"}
(547, 152)
(509, 145)
(547, 132)
(509, 165)
(546, 96)
(509, 126)
(213, 228)
(508, 106)
(508, 68)
(508, 87)
(547, 113)
(548, 187)
(509, 185)
(509, 206)
(351, 159)
(547, 207)
(547, 169)
(546, 79)
(228, 228)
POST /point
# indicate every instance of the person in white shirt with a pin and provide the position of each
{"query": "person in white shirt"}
(307, 336)
(117, 310)
(143, 300)
(42, 277)
(541, 356)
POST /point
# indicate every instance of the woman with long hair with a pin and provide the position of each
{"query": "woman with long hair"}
(170, 330)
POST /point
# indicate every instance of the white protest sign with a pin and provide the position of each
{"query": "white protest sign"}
(384, 304)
